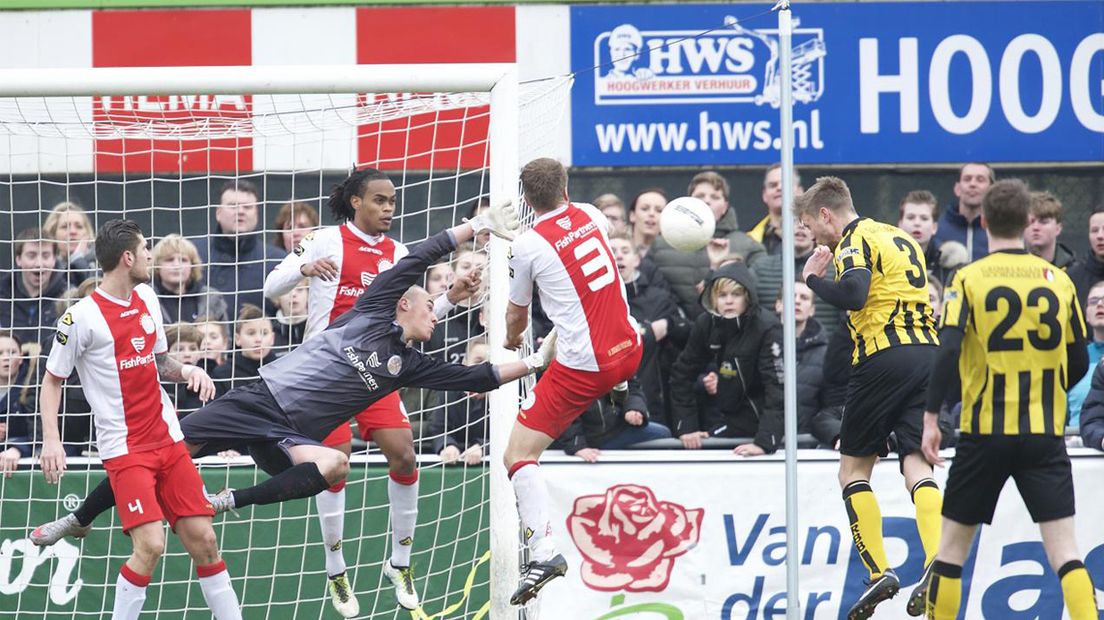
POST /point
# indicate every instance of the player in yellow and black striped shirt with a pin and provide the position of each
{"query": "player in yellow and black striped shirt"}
(883, 284)
(1012, 322)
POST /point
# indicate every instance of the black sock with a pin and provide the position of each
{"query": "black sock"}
(99, 501)
(303, 480)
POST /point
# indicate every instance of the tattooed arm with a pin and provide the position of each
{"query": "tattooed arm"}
(171, 370)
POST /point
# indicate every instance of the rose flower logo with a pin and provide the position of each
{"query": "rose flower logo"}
(629, 540)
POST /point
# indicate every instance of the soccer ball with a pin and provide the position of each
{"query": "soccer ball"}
(687, 223)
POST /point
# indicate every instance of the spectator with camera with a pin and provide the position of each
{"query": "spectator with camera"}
(728, 380)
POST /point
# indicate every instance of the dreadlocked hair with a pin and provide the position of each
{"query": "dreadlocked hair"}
(341, 205)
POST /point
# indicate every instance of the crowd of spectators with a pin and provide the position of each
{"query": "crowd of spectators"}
(709, 320)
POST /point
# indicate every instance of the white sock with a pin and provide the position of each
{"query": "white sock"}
(331, 516)
(129, 597)
(217, 591)
(532, 501)
(404, 517)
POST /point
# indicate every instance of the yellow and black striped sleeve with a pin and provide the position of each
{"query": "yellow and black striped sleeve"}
(853, 252)
(956, 306)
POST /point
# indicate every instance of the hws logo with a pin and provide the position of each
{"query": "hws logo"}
(730, 65)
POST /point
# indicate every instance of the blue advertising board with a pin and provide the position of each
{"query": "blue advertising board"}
(873, 83)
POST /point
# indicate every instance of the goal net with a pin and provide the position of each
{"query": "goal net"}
(80, 148)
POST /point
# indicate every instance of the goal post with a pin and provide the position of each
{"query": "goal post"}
(39, 108)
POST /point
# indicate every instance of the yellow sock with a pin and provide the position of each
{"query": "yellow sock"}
(866, 526)
(944, 591)
(929, 506)
(1078, 591)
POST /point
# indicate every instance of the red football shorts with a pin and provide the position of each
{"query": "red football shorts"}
(562, 393)
(157, 484)
(387, 412)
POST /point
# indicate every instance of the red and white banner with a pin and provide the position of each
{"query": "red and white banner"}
(288, 36)
(693, 540)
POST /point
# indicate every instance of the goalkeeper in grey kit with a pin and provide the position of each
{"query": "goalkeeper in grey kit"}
(302, 397)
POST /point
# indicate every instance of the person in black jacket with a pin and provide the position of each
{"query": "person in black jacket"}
(1092, 412)
(607, 425)
(178, 281)
(663, 326)
(254, 338)
(811, 345)
(17, 408)
(290, 323)
(1089, 269)
(728, 382)
(458, 429)
(28, 294)
(235, 255)
(184, 340)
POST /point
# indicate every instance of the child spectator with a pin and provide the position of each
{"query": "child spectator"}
(253, 341)
(291, 317)
(450, 339)
(215, 341)
(17, 403)
(458, 429)
(293, 222)
(178, 280)
(184, 340)
(727, 381)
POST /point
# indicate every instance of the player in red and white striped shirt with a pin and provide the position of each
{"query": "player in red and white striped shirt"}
(115, 340)
(566, 255)
(341, 262)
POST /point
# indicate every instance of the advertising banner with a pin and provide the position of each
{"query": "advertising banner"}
(274, 553)
(900, 82)
(682, 540)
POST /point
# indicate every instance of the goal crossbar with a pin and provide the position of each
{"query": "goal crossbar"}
(235, 80)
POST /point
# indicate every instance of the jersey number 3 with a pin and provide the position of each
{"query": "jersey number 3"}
(598, 270)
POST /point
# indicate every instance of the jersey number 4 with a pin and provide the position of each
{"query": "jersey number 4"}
(136, 506)
(598, 270)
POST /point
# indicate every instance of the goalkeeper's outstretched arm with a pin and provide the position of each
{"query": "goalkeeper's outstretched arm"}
(389, 286)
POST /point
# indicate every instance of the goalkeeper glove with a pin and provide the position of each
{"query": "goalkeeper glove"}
(543, 356)
(500, 220)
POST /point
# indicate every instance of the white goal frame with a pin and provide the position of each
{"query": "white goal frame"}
(498, 79)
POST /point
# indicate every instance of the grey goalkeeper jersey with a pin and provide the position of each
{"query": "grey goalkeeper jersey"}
(361, 357)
